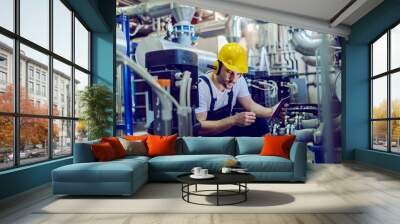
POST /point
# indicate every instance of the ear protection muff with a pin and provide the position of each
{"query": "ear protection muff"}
(217, 65)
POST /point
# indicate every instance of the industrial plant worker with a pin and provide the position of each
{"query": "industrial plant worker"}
(220, 89)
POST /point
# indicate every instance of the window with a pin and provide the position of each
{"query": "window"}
(6, 142)
(81, 45)
(3, 71)
(37, 74)
(81, 81)
(6, 89)
(30, 87)
(54, 126)
(30, 72)
(3, 61)
(7, 14)
(63, 74)
(34, 22)
(62, 29)
(44, 91)
(3, 78)
(38, 89)
(385, 96)
(62, 140)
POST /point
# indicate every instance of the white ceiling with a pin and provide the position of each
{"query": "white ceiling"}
(321, 9)
(316, 15)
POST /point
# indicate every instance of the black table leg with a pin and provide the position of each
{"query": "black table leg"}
(196, 188)
(217, 194)
(245, 193)
(188, 189)
(182, 190)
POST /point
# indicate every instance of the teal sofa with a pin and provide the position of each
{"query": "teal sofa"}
(125, 176)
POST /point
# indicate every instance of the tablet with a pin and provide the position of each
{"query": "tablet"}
(279, 108)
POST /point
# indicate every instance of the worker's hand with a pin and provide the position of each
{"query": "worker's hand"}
(244, 119)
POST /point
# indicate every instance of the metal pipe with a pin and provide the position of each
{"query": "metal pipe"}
(188, 92)
(310, 60)
(147, 77)
(304, 43)
(233, 29)
(153, 9)
(123, 45)
(325, 53)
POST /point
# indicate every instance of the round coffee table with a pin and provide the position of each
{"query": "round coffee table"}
(238, 179)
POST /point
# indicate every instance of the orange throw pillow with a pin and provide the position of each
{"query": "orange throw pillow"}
(135, 137)
(161, 145)
(116, 145)
(277, 145)
(103, 152)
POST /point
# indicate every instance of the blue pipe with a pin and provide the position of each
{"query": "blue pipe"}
(128, 115)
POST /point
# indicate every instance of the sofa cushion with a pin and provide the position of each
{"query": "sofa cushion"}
(185, 163)
(161, 145)
(257, 163)
(249, 145)
(116, 145)
(134, 147)
(277, 145)
(207, 145)
(135, 137)
(83, 152)
(112, 171)
(103, 152)
(132, 158)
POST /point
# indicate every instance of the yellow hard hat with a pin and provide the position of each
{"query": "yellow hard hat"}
(234, 57)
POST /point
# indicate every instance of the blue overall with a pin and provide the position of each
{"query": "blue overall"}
(258, 128)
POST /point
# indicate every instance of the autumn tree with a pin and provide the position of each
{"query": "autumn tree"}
(33, 131)
(380, 127)
(6, 122)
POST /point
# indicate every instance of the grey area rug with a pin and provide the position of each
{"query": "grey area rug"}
(166, 198)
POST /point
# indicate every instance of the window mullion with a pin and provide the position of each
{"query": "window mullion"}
(371, 89)
(16, 84)
(73, 81)
(50, 81)
(389, 106)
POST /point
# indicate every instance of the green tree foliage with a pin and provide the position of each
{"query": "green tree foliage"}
(96, 102)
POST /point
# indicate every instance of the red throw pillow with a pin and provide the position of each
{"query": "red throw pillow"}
(161, 145)
(277, 145)
(116, 145)
(103, 152)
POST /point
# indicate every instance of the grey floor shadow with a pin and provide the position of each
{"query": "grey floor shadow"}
(148, 191)
(256, 198)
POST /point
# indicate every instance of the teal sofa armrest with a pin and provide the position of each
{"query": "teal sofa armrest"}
(83, 152)
(298, 155)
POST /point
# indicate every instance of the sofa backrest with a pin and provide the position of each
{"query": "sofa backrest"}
(249, 145)
(206, 145)
(83, 152)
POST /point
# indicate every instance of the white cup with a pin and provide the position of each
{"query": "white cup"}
(203, 172)
(226, 170)
(196, 171)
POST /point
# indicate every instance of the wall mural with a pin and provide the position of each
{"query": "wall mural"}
(292, 75)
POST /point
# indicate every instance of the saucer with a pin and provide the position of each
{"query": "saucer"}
(208, 176)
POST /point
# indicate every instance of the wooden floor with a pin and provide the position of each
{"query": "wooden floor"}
(377, 188)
